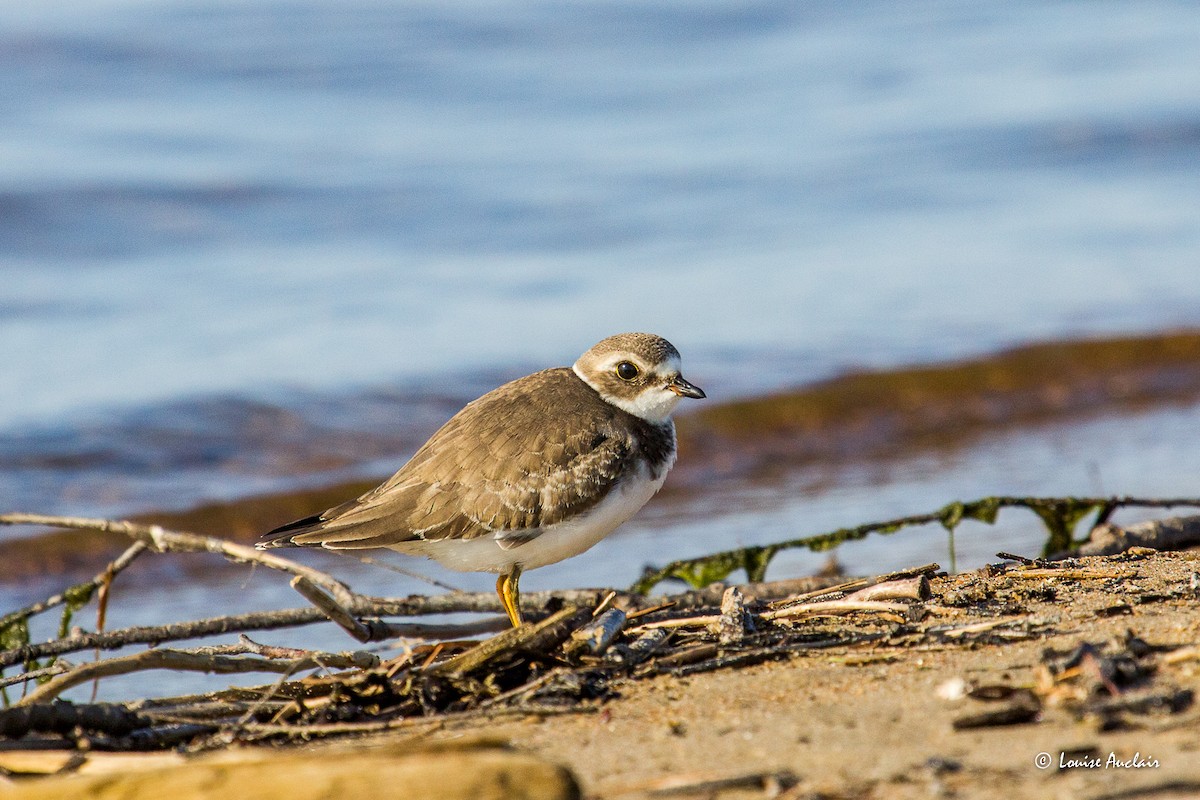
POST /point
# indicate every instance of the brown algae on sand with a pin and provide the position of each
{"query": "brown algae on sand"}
(895, 411)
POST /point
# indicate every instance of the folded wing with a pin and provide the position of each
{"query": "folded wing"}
(502, 466)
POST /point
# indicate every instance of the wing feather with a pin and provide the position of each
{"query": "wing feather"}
(517, 460)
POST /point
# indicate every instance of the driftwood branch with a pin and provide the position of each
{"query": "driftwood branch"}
(162, 540)
(555, 665)
(372, 629)
(63, 718)
(336, 612)
(533, 602)
(539, 637)
(827, 608)
(222, 661)
(871, 598)
(856, 585)
(1174, 533)
(57, 668)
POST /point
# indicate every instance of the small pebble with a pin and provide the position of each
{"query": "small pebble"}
(953, 689)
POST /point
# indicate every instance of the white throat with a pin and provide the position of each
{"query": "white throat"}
(654, 404)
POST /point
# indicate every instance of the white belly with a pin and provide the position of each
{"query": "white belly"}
(552, 543)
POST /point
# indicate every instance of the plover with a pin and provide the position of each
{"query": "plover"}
(533, 472)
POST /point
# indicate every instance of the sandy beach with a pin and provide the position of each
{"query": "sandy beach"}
(1019, 681)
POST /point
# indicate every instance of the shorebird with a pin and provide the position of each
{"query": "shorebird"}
(533, 472)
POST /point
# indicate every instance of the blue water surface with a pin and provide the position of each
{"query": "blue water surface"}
(250, 246)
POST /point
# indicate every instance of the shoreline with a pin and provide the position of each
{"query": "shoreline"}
(860, 417)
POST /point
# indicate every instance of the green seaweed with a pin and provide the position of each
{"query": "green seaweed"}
(951, 515)
(76, 597)
(15, 634)
(983, 510)
(952, 550)
(1060, 515)
(699, 573)
(14, 628)
(756, 563)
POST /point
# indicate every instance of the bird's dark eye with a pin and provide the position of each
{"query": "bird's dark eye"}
(627, 371)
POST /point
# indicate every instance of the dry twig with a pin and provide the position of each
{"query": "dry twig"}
(162, 540)
(192, 661)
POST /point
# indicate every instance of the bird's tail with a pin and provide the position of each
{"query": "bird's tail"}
(283, 535)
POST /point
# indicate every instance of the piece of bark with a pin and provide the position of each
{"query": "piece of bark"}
(539, 638)
(596, 636)
(1173, 533)
(735, 620)
(915, 588)
(639, 649)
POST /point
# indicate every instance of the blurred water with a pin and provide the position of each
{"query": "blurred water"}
(247, 246)
(204, 198)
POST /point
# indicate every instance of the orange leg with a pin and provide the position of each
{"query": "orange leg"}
(510, 595)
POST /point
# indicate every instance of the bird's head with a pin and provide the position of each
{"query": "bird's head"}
(637, 372)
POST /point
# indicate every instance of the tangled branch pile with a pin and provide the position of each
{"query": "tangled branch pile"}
(584, 645)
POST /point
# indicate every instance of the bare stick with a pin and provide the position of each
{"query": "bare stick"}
(975, 627)
(352, 658)
(331, 609)
(316, 730)
(35, 674)
(710, 785)
(704, 620)
(375, 630)
(868, 599)
(842, 589)
(420, 605)
(181, 660)
(827, 608)
(294, 617)
(162, 540)
(537, 637)
(1069, 574)
(156, 634)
